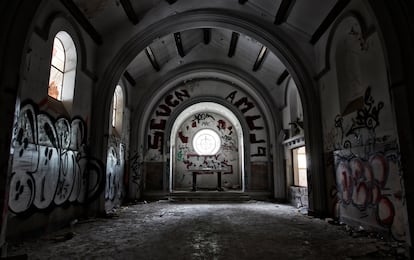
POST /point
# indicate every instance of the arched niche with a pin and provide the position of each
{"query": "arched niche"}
(207, 138)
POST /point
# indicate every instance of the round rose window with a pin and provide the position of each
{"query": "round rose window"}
(206, 142)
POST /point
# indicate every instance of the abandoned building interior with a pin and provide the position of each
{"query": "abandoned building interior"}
(106, 102)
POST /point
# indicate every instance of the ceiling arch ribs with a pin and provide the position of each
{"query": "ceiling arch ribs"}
(260, 58)
(282, 77)
(283, 11)
(152, 59)
(82, 20)
(329, 19)
(233, 44)
(129, 11)
(198, 19)
(129, 78)
(179, 44)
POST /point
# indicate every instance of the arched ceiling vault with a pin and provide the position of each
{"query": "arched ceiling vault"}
(114, 24)
(208, 46)
(132, 33)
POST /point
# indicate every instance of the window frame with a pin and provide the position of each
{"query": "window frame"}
(61, 72)
(71, 58)
(117, 109)
(295, 166)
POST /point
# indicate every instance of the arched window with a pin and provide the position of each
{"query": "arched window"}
(63, 69)
(57, 70)
(117, 109)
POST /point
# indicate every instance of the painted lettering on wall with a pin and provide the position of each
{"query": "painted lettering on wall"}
(156, 132)
(158, 122)
(369, 188)
(256, 129)
(51, 165)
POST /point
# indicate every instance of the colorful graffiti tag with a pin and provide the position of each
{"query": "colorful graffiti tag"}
(369, 181)
(370, 189)
(51, 165)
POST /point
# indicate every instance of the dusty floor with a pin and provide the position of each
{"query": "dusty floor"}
(168, 230)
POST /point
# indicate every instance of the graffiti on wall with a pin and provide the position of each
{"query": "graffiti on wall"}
(185, 152)
(135, 172)
(256, 133)
(370, 188)
(214, 162)
(369, 182)
(136, 162)
(51, 165)
(361, 128)
(115, 162)
(254, 120)
(226, 160)
(244, 104)
(159, 120)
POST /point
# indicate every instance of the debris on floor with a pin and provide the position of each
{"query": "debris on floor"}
(190, 230)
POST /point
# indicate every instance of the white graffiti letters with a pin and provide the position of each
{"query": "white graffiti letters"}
(50, 166)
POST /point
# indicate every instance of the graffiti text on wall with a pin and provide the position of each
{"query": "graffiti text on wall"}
(51, 164)
(369, 188)
(157, 125)
(214, 162)
(244, 105)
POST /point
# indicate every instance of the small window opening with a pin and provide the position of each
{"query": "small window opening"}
(57, 70)
(117, 109)
(206, 142)
(114, 109)
(299, 167)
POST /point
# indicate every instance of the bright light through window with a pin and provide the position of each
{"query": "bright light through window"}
(117, 109)
(302, 161)
(57, 70)
(206, 142)
(299, 167)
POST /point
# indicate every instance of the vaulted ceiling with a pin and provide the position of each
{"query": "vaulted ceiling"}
(304, 21)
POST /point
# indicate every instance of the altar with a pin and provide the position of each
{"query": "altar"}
(200, 171)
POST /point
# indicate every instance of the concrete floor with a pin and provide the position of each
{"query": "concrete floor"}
(171, 230)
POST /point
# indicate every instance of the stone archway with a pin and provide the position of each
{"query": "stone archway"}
(274, 39)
